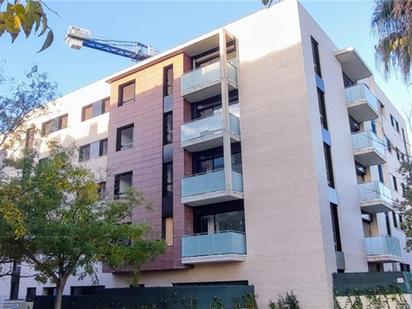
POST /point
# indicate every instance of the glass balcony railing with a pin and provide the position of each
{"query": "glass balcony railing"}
(209, 182)
(375, 191)
(361, 92)
(208, 126)
(368, 139)
(204, 77)
(383, 245)
(226, 242)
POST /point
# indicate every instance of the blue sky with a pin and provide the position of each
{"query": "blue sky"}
(164, 24)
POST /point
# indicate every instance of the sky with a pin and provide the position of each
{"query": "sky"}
(165, 24)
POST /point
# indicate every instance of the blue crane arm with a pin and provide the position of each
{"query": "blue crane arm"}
(135, 55)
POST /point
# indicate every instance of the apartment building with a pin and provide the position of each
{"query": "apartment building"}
(271, 158)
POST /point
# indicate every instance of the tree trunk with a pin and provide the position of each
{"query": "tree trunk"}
(59, 295)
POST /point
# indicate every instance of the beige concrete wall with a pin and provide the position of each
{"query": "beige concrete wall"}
(341, 145)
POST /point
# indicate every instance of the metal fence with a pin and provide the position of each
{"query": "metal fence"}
(178, 297)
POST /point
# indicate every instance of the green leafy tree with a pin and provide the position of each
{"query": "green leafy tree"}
(28, 16)
(392, 25)
(20, 100)
(62, 227)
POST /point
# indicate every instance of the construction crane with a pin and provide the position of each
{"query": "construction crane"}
(78, 37)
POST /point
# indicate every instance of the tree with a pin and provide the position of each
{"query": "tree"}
(20, 100)
(18, 16)
(66, 227)
(392, 25)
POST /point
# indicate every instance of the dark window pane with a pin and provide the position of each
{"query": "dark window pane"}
(316, 59)
(322, 109)
(63, 122)
(335, 227)
(167, 128)
(124, 137)
(103, 147)
(329, 166)
(84, 153)
(122, 182)
(167, 179)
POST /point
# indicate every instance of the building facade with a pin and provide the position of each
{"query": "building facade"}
(271, 158)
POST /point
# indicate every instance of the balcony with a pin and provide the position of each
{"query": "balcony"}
(375, 197)
(226, 246)
(383, 249)
(207, 188)
(204, 82)
(362, 104)
(207, 133)
(368, 148)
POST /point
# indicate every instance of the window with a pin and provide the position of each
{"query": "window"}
(335, 227)
(97, 108)
(316, 59)
(122, 183)
(322, 109)
(392, 121)
(398, 156)
(388, 224)
(381, 108)
(380, 172)
(93, 150)
(347, 82)
(354, 125)
(49, 291)
(225, 221)
(54, 125)
(103, 147)
(29, 143)
(30, 294)
(405, 267)
(397, 126)
(394, 219)
(84, 153)
(168, 81)
(167, 128)
(126, 93)
(394, 183)
(360, 171)
(388, 144)
(87, 112)
(168, 232)
(329, 167)
(373, 126)
(105, 105)
(167, 179)
(124, 139)
(101, 189)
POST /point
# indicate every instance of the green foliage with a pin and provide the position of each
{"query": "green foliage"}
(65, 227)
(392, 25)
(27, 16)
(403, 206)
(247, 301)
(289, 301)
(378, 298)
(217, 303)
(20, 100)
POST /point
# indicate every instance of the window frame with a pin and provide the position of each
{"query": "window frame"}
(121, 88)
(119, 130)
(117, 194)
